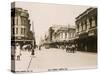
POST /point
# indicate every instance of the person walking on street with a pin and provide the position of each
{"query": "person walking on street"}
(66, 48)
(40, 47)
(73, 48)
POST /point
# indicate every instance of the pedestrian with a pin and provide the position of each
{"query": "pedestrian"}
(73, 48)
(66, 48)
(40, 47)
(32, 51)
(70, 47)
(18, 51)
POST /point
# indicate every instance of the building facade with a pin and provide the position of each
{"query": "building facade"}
(20, 26)
(60, 35)
(86, 30)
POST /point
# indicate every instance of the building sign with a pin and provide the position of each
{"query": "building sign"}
(83, 35)
(18, 37)
(24, 14)
(91, 33)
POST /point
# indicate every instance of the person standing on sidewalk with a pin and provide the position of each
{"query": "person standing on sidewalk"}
(32, 50)
(18, 51)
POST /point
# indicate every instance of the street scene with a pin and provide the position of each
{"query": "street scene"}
(53, 37)
(50, 59)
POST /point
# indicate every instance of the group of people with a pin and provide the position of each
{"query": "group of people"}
(17, 48)
(70, 48)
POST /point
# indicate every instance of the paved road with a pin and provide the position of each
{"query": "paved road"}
(56, 59)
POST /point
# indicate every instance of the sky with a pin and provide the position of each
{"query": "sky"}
(44, 15)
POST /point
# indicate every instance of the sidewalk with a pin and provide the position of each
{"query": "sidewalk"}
(22, 64)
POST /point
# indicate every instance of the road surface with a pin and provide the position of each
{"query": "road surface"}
(55, 59)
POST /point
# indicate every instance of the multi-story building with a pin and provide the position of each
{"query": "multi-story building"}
(60, 35)
(86, 29)
(20, 26)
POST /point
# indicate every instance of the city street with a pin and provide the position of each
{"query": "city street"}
(55, 59)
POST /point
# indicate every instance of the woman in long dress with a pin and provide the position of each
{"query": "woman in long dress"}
(18, 51)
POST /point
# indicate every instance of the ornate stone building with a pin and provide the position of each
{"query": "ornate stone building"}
(86, 29)
(20, 26)
(60, 35)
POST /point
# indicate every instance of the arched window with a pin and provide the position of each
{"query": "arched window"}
(93, 23)
(88, 23)
(16, 20)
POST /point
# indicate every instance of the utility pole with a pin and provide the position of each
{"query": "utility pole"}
(34, 41)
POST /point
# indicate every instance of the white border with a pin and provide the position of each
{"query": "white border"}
(5, 35)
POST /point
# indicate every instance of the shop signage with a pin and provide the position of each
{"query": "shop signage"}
(91, 33)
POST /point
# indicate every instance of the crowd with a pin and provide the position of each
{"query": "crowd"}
(16, 50)
(70, 48)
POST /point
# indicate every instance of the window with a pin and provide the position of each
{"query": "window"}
(88, 24)
(90, 20)
(12, 20)
(63, 35)
(84, 26)
(24, 21)
(77, 28)
(93, 24)
(16, 20)
(80, 27)
(13, 30)
(69, 35)
(96, 20)
(16, 30)
(21, 30)
(24, 31)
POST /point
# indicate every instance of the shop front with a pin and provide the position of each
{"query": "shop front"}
(88, 41)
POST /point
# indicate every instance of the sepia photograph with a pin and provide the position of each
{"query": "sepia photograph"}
(53, 37)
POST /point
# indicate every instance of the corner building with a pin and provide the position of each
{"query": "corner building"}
(86, 29)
